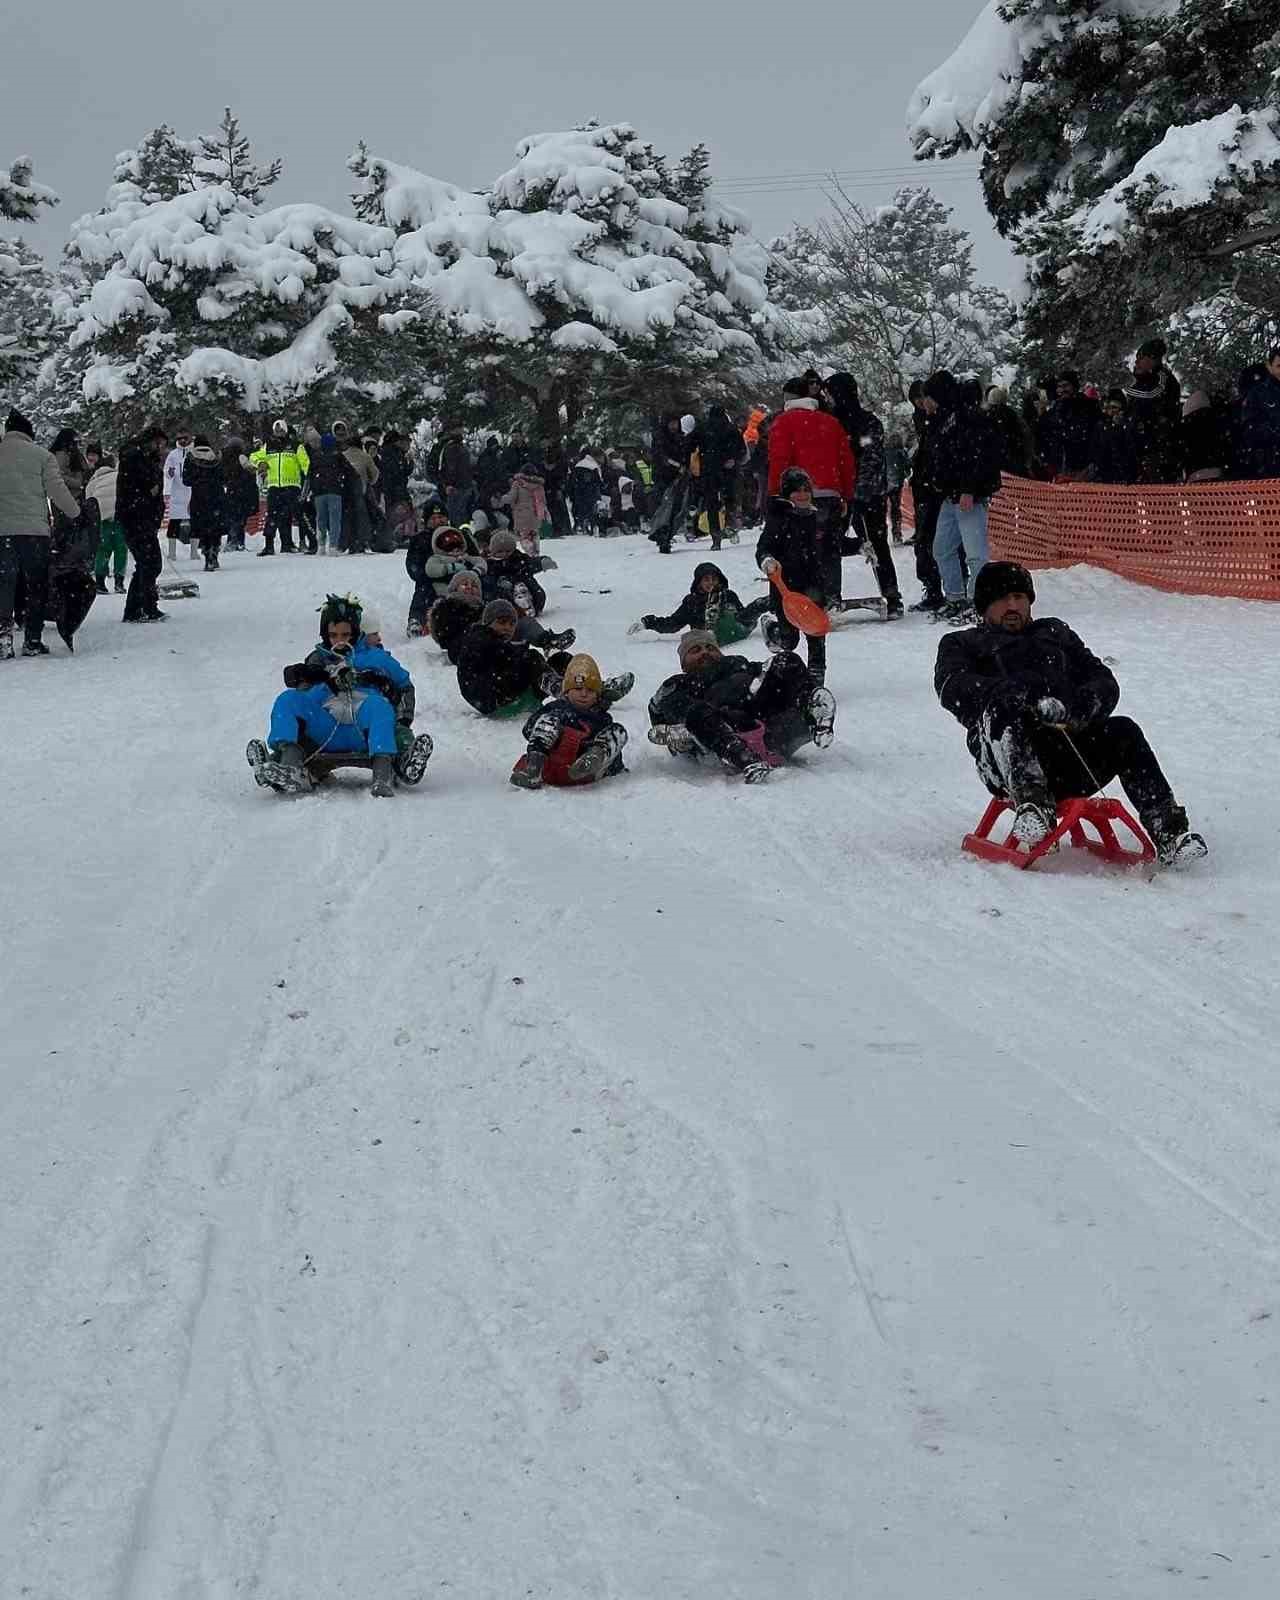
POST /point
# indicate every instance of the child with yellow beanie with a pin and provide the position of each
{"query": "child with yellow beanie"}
(573, 740)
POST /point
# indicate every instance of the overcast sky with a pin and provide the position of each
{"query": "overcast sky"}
(775, 90)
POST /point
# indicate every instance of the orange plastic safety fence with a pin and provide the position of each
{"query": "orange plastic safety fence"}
(1189, 538)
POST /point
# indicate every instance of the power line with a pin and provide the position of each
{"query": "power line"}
(848, 174)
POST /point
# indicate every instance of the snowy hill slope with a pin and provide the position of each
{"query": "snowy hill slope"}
(673, 1190)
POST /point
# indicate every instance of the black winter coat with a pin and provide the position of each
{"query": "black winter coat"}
(866, 438)
(544, 727)
(241, 486)
(1015, 440)
(1206, 440)
(1259, 429)
(203, 475)
(692, 610)
(393, 465)
(450, 618)
(140, 490)
(964, 454)
(330, 473)
(456, 470)
(978, 667)
(492, 672)
(721, 444)
(1067, 436)
(725, 687)
(1155, 411)
(499, 582)
(798, 540)
(1115, 452)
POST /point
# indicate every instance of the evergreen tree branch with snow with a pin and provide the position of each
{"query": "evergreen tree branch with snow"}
(1131, 153)
(20, 195)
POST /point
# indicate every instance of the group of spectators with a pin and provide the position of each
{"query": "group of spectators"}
(1145, 431)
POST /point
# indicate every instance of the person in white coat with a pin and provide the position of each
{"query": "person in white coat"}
(179, 495)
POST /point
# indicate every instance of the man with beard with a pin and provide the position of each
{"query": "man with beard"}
(1037, 706)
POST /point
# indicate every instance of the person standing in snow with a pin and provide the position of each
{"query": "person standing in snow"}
(140, 512)
(357, 521)
(752, 715)
(241, 488)
(926, 500)
(722, 453)
(813, 441)
(457, 478)
(30, 483)
(1037, 708)
(869, 522)
(282, 466)
(1258, 428)
(897, 469)
(112, 552)
(207, 507)
(1068, 431)
(964, 455)
(1115, 450)
(586, 485)
(1015, 437)
(527, 498)
(1155, 412)
(794, 543)
(179, 495)
(331, 483)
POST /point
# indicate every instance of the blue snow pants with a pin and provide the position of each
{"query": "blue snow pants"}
(302, 713)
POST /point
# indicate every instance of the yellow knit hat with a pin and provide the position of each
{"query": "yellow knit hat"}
(582, 673)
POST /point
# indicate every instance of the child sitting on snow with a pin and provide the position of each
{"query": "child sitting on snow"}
(710, 604)
(573, 740)
(449, 619)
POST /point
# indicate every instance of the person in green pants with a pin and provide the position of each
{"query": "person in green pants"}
(112, 549)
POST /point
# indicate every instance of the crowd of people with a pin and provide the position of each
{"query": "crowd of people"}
(820, 477)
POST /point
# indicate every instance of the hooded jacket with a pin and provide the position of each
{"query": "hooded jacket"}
(724, 685)
(866, 436)
(449, 620)
(175, 485)
(207, 492)
(797, 539)
(527, 498)
(29, 482)
(140, 489)
(1259, 429)
(805, 437)
(963, 444)
(692, 610)
(1067, 436)
(286, 462)
(102, 488)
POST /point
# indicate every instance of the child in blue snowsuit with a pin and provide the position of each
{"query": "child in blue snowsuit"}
(347, 697)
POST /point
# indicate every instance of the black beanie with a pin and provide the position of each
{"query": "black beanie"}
(997, 579)
(15, 422)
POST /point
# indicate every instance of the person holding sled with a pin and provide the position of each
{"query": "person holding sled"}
(206, 486)
(805, 437)
(796, 542)
(1037, 707)
(710, 604)
(347, 697)
(752, 715)
(573, 740)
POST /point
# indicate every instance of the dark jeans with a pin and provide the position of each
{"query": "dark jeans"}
(27, 554)
(927, 508)
(281, 506)
(717, 502)
(148, 563)
(893, 503)
(1022, 760)
(789, 636)
(424, 597)
(869, 521)
(780, 702)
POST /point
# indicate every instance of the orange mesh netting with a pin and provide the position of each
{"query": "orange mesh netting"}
(1191, 538)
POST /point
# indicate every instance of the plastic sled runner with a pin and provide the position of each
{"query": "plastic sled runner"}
(1074, 816)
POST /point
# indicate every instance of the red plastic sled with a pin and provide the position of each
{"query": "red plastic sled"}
(801, 612)
(1101, 815)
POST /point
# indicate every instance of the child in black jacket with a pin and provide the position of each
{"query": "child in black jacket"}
(710, 604)
(793, 543)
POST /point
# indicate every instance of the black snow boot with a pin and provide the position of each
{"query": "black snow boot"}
(1176, 845)
(100, 584)
(285, 770)
(119, 585)
(413, 763)
(384, 768)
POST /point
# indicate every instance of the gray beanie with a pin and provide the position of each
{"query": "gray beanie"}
(693, 637)
(502, 543)
(499, 611)
(464, 580)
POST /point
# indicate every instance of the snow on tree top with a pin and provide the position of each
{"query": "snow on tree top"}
(1186, 169)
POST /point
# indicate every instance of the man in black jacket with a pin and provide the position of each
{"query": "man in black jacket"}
(964, 453)
(1260, 423)
(1038, 706)
(869, 510)
(1067, 435)
(140, 511)
(751, 714)
(925, 500)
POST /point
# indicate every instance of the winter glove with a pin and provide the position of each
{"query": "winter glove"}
(530, 775)
(638, 627)
(1050, 709)
(769, 566)
(546, 564)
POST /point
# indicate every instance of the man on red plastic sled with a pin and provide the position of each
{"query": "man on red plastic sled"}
(1038, 706)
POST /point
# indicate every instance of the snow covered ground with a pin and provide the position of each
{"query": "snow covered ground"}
(665, 1191)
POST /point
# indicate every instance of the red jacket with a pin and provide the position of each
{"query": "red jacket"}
(806, 437)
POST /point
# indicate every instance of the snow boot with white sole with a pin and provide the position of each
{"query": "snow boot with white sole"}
(413, 763)
(284, 771)
(384, 777)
